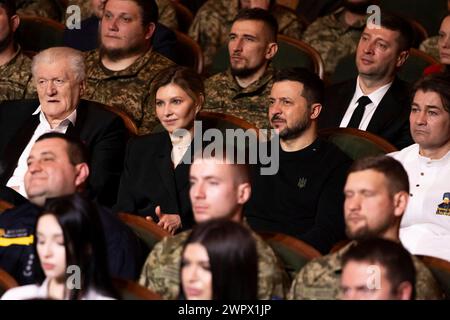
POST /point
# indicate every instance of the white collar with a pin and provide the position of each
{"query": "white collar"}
(375, 96)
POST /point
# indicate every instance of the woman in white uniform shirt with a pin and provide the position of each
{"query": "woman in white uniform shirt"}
(71, 250)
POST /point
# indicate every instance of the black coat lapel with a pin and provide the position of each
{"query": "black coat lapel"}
(165, 167)
(76, 130)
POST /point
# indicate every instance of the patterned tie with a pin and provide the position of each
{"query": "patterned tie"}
(359, 112)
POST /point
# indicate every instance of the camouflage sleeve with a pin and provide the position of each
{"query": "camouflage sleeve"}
(426, 286)
(273, 280)
(161, 271)
(430, 46)
(294, 292)
(149, 120)
(313, 32)
(213, 100)
(167, 14)
(291, 26)
(206, 29)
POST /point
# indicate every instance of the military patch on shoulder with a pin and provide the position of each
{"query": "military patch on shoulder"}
(444, 207)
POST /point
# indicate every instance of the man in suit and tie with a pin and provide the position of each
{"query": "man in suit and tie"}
(59, 76)
(376, 101)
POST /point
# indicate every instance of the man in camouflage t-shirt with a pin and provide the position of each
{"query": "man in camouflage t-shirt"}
(121, 71)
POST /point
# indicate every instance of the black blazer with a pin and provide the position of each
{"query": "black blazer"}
(390, 120)
(149, 180)
(102, 131)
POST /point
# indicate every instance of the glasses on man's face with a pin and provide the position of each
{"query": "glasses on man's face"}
(57, 82)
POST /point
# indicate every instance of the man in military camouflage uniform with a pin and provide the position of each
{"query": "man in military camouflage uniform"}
(243, 89)
(430, 45)
(213, 20)
(15, 67)
(336, 35)
(376, 195)
(121, 71)
(224, 199)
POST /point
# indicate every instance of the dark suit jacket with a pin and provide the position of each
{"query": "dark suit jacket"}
(124, 250)
(149, 180)
(102, 131)
(390, 120)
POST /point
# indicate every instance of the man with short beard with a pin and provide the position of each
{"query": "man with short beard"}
(336, 35)
(15, 67)
(376, 194)
(243, 89)
(86, 38)
(301, 198)
(121, 71)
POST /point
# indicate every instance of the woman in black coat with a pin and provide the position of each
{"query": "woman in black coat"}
(155, 180)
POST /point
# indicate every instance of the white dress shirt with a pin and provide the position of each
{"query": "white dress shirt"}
(375, 97)
(34, 291)
(180, 144)
(16, 181)
(424, 229)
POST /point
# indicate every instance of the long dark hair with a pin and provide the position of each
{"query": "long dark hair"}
(232, 256)
(84, 243)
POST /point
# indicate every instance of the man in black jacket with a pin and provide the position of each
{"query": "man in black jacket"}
(59, 75)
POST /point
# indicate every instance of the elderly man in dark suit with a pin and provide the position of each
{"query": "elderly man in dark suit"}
(376, 101)
(59, 75)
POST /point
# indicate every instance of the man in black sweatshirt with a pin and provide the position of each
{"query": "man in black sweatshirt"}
(304, 198)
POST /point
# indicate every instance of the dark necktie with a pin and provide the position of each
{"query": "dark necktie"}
(359, 112)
